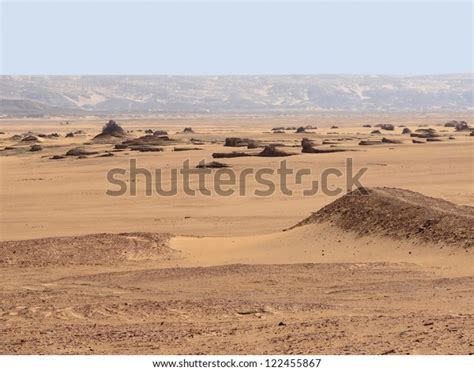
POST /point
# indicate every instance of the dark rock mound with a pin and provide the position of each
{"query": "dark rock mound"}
(369, 142)
(416, 141)
(399, 214)
(376, 132)
(70, 135)
(389, 127)
(212, 165)
(458, 125)
(229, 154)
(188, 131)
(406, 131)
(36, 148)
(145, 148)
(391, 141)
(434, 140)
(30, 138)
(57, 157)
(366, 126)
(80, 152)
(237, 142)
(463, 126)
(272, 151)
(160, 133)
(301, 129)
(111, 131)
(148, 140)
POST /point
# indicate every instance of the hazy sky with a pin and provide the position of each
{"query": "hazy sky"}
(236, 37)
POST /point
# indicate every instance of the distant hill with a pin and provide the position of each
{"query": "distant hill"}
(50, 95)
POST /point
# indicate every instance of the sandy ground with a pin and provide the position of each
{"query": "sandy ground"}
(229, 279)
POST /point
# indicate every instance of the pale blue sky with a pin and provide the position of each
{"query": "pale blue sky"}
(64, 37)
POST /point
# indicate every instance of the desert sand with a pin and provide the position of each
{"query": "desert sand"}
(387, 272)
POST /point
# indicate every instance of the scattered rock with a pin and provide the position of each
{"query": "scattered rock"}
(57, 157)
(376, 132)
(415, 141)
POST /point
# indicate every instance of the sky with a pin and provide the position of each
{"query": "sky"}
(237, 38)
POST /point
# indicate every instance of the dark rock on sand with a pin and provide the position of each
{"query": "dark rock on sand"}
(30, 138)
(389, 127)
(434, 139)
(391, 141)
(181, 149)
(36, 148)
(80, 152)
(272, 151)
(369, 142)
(212, 165)
(111, 131)
(237, 142)
(229, 154)
(145, 148)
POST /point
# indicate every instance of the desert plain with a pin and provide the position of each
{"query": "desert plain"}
(386, 269)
